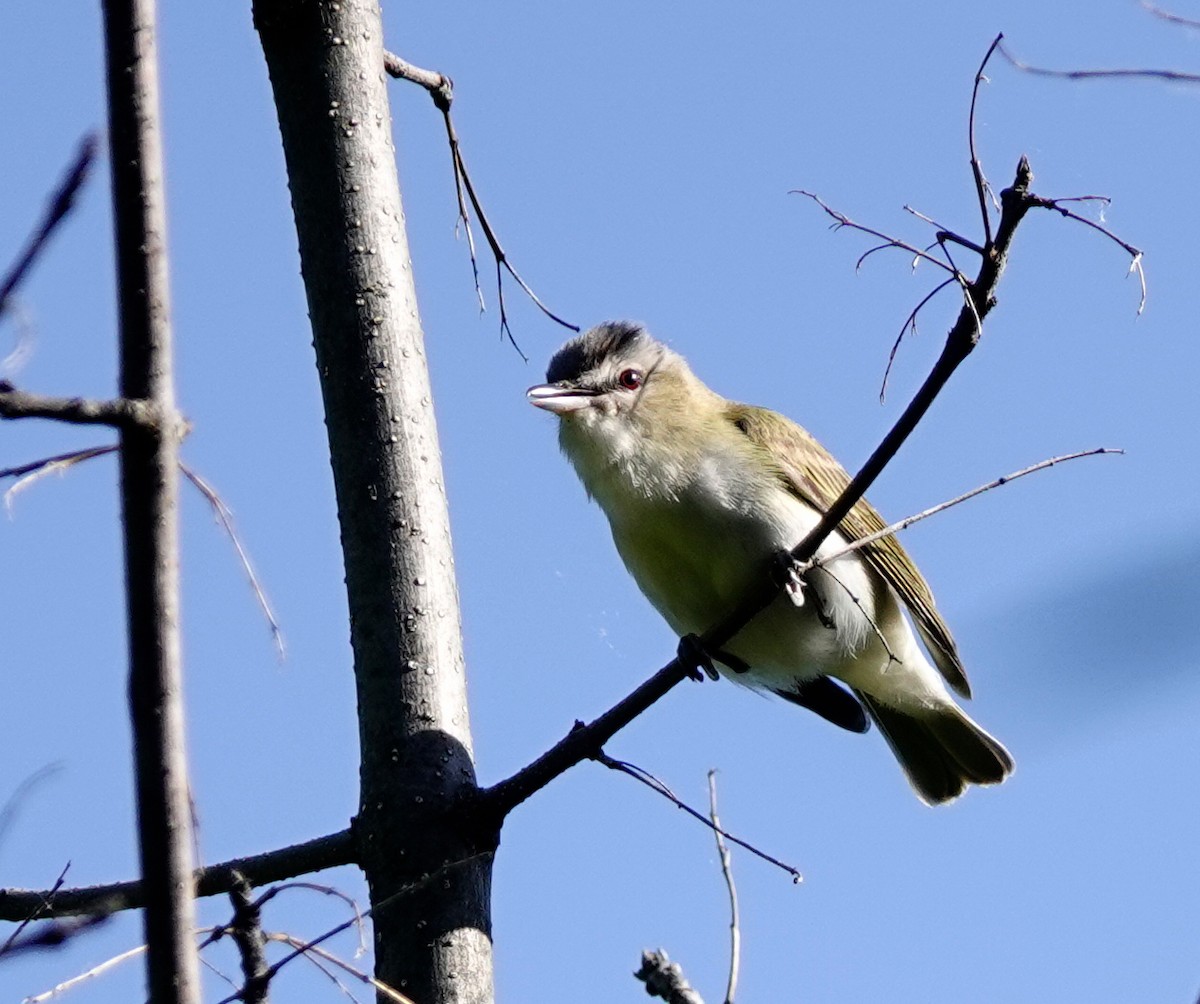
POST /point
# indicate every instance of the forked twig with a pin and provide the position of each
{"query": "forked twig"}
(653, 783)
(441, 90)
(735, 929)
(1135, 255)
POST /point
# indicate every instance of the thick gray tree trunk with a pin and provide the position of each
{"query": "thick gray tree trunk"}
(327, 70)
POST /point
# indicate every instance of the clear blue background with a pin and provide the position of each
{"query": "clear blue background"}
(636, 160)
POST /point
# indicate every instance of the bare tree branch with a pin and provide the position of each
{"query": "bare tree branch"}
(441, 89)
(149, 502)
(1167, 15)
(644, 776)
(314, 855)
(122, 413)
(735, 929)
(225, 517)
(1175, 76)
(60, 206)
(904, 524)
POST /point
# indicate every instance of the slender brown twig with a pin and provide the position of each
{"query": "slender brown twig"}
(735, 928)
(441, 89)
(656, 785)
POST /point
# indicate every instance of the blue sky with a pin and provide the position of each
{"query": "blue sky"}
(636, 160)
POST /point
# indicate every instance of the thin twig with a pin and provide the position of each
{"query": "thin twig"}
(981, 185)
(326, 890)
(910, 324)
(904, 524)
(29, 473)
(857, 601)
(74, 981)
(313, 959)
(224, 516)
(35, 913)
(330, 851)
(1135, 255)
(653, 783)
(840, 220)
(309, 950)
(1175, 76)
(440, 88)
(735, 930)
(60, 206)
(1167, 15)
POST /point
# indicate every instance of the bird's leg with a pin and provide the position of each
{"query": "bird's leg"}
(694, 657)
(789, 575)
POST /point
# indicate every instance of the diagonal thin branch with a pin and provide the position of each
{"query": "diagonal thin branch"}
(61, 203)
(905, 523)
(225, 517)
(659, 786)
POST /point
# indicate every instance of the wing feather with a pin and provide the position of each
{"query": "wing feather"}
(818, 483)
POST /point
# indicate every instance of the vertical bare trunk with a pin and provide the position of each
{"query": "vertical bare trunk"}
(148, 500)
(327, 70)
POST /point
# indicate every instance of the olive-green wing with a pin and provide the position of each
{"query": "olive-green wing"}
(817, 480)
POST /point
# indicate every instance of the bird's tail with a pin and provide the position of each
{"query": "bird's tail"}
(940, 749)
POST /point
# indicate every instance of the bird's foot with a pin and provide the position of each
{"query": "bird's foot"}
(789, 573)
(695, 658)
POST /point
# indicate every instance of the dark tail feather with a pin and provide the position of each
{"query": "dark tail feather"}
(942, 751)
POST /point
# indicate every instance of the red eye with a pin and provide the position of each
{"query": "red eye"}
(630, 379)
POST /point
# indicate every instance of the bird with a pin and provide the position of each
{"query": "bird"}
(705, 496)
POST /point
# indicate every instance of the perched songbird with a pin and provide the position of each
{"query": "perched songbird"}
(704, 496)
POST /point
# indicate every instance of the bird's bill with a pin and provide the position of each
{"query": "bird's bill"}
(558, 399)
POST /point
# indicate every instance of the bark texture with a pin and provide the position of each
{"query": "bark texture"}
(326, 64)
(149, 501)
